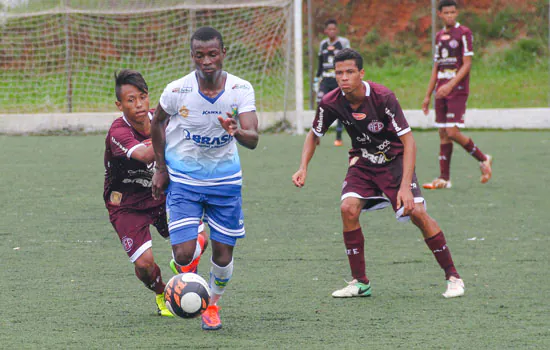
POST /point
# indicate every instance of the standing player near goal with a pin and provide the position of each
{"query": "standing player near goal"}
(197, 159)
(329, 47)
(381, 162)
(128, 172)
(451, 79)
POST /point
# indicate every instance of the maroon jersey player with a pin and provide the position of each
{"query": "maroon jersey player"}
(128, 161)
(381, 168)
(451, 79)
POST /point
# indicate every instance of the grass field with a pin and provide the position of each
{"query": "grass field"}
(66, 282)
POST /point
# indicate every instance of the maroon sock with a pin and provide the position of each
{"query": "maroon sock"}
(474, 151)
(445, 153)
(355, 249)
(438, 246)
(153, 281)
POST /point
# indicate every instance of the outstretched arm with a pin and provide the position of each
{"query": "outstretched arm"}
(310, 144)
(158, 135)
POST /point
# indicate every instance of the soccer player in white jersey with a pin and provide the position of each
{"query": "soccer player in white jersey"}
(208, 111)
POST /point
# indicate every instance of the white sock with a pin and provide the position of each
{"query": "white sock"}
(219, 277)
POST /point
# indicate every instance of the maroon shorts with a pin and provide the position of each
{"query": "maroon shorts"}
(450, 111)
(378, 184)
(132, 227)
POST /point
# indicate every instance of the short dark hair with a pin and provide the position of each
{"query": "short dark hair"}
(330, 21)
(129, 77)
(206, 34)
(445, 3)
(349, 54)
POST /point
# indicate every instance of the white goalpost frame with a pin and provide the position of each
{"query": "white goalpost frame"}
(298, 67)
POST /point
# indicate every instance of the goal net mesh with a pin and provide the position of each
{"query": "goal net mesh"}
(60, 56)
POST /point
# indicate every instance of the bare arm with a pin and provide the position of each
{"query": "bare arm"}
(310, 144)
(158, 135)
(404, 196)
(144, 154)
(430, 90)
(462, 72)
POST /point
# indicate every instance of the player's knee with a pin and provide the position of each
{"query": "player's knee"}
(419, 216)
(452, 133)
(144, 265)
(183, 257)
(349, 210)
(442, 133)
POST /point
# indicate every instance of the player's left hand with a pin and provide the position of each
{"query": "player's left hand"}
(229, 124)
(443, 91)
(405, 199)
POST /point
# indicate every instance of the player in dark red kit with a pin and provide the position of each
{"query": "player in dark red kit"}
(381, 168)
(451, 79)
(129, 160)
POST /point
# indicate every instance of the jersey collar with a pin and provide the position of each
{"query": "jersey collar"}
(367, 89)
(127, 122)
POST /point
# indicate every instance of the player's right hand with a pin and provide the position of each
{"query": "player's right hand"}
(299, 178)
(160, 183)
(426, 105)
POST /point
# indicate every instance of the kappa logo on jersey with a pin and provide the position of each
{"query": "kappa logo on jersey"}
(211, 112)
(453, 43)
(206, 141)
(184, 112)
(240, 86)
(375, 126)
(359, 116)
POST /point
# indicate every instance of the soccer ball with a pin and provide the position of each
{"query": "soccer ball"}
(187, 295)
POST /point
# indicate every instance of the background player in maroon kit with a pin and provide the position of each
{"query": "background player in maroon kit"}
(451, 79)
(381, 162)
(128, 161)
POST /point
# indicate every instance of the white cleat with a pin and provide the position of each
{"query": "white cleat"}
(353, 289)
(455, 288)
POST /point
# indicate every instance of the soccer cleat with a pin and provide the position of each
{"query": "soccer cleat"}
(437, 184)
(455, 288)
(486, 169)
(338, 143)
(162, 310)
(211, 318)
(353, 289)
(177, 269)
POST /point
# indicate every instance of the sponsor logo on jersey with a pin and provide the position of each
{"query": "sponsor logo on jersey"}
(359, 116)
(453, 44)
(211, 112)
(446, 74)
(184, 112)
(365, 138)
(393, 122)
(183, 90)
(207, 141)
(375, 126)
(123, 149)
(445, 37)
(127, 243)
(319, 127)
(240, 86)
(444, 53)
(384, 146)
(376, 158)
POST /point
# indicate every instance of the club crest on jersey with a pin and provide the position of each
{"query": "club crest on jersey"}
(184, 112)
(359, 116)
(453, 43)
(375, 126)
(234, 110)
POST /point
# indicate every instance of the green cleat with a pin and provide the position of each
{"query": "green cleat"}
(162, 310)
(353, 289)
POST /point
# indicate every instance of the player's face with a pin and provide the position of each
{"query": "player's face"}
(208, 58)
(331, 31)
(448, 15)
(133, 103)
(348, 76)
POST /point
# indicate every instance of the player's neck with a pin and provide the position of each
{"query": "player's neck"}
(212, 87)
(356, 97)
(143, 128)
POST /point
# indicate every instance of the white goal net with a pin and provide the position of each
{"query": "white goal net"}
(60, 55)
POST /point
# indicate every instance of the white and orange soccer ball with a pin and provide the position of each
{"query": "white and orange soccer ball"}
(187, 295)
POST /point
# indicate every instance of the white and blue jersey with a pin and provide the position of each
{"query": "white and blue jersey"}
(202, 158)
(199, 153)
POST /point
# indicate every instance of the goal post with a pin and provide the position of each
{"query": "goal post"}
(59, 56)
